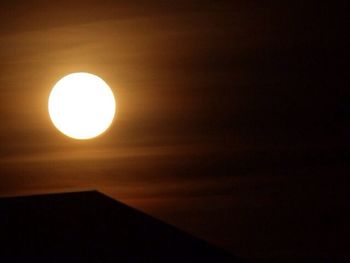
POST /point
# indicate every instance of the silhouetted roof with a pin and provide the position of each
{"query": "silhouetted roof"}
(91, 227)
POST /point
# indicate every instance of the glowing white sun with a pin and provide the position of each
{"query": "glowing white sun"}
(81, 105)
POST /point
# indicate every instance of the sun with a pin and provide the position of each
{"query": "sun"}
(81, 105)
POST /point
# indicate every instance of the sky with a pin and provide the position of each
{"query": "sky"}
(231, 123)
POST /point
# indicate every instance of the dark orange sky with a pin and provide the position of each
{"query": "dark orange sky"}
(231, 121)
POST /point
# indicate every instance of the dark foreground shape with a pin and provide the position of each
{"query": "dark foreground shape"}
(91, 227)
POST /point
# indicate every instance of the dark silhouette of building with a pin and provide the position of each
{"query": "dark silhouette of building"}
(91, 227)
